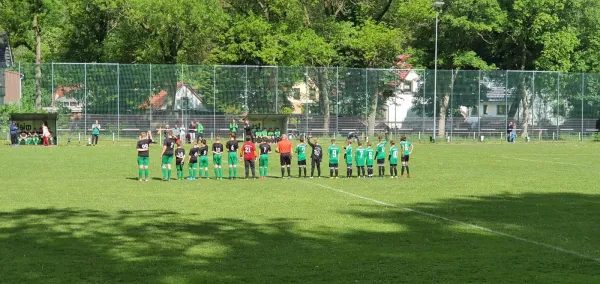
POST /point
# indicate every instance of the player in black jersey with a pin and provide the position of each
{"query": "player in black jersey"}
(217, 149)
(316, 157)
(263, 161)
(143, 149)
(193, 162)
(232, 157)
(203, 152)
(179, 160)
(167, 155)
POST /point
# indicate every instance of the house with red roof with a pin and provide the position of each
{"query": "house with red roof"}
(186, 98)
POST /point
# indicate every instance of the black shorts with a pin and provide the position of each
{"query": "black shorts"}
(393, 165)
(285, 159)
(333, 165)
(302, 163)
(380, 161)
(405, 158)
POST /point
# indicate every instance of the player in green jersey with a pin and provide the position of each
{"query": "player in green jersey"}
(380, 153)
(334, 156)
(360, 157)
(370, 157)
(217, 149)
(348, 158)
(407, 149)
(301, 152)
(393, 159)
(203, 163)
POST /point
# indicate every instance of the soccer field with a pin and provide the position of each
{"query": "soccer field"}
(472, 213)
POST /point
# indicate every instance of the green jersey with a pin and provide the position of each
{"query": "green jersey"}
(95, 129)
(334, 154)
(233, 127)
(270, 134)
(405, 148)
(277, 133)
(393, 155)
(348, 155)
(360, 156)
(200, 128)
(381, 150)
(301, 152)
(370, 156)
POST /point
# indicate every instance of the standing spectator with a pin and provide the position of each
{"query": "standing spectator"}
(248, 130)
(45, 135)
(233, 127)
(13, 133)
(192, 131)
(95, 133)
(175, 132)
(513, 133)
(182, 134)
(200, 130)
(509, 130)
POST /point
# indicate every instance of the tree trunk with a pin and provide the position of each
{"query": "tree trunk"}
(526, 103)
(324, 97)
(38, 61)
(372, 116)
(444, 104)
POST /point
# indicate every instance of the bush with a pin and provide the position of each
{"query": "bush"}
(597, 137)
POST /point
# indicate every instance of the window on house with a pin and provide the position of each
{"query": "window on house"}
(501, 110)
(296, 93)
(485, 109)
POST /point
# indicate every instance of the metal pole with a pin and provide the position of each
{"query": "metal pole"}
(531, 107)
(215, 100)
(21, 87)
(451, 109)
(118, 103)
(582, 96)
(479, 104)
(506, 101)
(246, 89)
(557, 105)
(52, 78)
(85, 99)
(435, 76)
(276, 88)
(150, 98)
(423, 103)
(366, 102)
(337, 90)
(181, 106)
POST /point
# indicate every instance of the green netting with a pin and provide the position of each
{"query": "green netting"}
(334, 101)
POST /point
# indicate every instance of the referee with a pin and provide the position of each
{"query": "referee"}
(284, 147)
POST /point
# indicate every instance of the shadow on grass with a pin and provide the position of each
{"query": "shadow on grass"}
(86, 246)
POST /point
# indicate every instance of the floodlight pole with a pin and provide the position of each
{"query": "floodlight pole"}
(437, 4)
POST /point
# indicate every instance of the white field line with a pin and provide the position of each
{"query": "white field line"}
(543, 161)
(555, 248)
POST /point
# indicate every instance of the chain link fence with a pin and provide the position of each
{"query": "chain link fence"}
(467, 105)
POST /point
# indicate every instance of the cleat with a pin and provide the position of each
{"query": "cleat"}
(330, 177)
(401, 176)
(311, 177)
(141, 180)
(147, 180)
(408, 176)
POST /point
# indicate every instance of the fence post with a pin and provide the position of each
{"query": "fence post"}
(479, 104)
(276, 89)
(582, 96)
(558, 105)
(531, 107)
(150, 97)
(246, 89)
(85, 99)
(366, 102)
(337, 95)
(21, 86)
(505, 103)
(118, 104)
(215, 100)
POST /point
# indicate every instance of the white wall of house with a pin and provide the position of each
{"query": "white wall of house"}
(185, 99)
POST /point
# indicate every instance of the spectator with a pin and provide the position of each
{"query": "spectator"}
(513, 133)
(200, 130)
(192, 131)
(175, 131)
(95, 133)
(182, 134)
(45, 135)
(13, 133)
(233, 127)
(248, 130)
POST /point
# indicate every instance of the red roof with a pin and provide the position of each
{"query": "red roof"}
(160, 99)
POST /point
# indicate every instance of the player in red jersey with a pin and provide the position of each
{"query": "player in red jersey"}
(248, 151)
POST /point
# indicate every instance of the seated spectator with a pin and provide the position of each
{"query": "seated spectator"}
(22, 137)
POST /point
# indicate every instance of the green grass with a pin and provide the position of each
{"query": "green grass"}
(77, 215)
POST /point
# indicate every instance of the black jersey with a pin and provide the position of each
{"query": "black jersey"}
(317, 151)
(203, 151)
(179, 155)
(232, 146)
(170, 143)
(265, 148)
(144, 144)
(194, 155)
(217, 148)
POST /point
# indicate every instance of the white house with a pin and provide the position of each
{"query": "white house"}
(399, 107)
(186, 98)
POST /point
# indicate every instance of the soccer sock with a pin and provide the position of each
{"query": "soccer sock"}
(169, 171)
(217, 172)
(289, 170)
(300, 172)
(319, 170)
(407, 170)
(282, 172)
(220, 172)
(234, 172)
(382, 171)
(164, 170)
(304, 171)
(206, 173)
(350, 172)
(146, 172)
(402, 170)
(336, 172)
(230, 172)
(191, 172)
(140, 172)
(312, 171)
(331, 172)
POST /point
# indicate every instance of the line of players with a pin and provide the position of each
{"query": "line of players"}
(198, 158)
